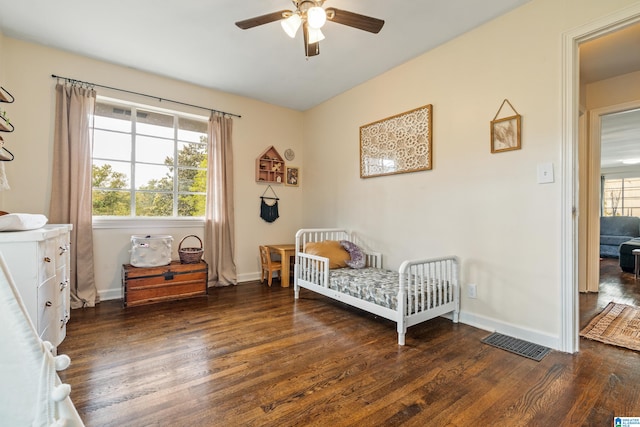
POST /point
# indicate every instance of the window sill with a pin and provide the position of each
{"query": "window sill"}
(142, 223)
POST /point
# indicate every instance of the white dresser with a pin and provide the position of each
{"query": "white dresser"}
(39, 263)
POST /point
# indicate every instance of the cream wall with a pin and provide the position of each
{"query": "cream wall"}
(26, 70)
(2, 62)
(616, 90)
(486, 208)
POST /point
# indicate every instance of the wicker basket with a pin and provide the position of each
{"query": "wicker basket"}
(190, 255)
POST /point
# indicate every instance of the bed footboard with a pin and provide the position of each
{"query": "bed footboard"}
(310, 268)
(428, 288)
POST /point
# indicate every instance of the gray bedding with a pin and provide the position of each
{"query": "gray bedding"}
(380, 287)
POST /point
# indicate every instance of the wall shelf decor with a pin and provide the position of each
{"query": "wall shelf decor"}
(397, 144)
(5, 126)
(270, 167)
(289, 154)
(5, 97)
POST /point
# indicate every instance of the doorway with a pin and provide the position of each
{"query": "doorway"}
(572, 159)
(612, 162)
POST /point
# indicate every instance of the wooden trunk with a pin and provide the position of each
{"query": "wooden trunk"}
(146, 285)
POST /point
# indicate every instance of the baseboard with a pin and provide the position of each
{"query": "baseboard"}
(110, 294)
(248, 277)
(494, 325)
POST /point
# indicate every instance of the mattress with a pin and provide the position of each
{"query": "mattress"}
(380, 287)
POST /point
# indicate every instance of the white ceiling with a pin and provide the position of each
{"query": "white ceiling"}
(196, 40)
(610, 55)
(620, 140)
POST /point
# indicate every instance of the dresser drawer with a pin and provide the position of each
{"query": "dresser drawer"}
(62, 250)
(48, 308)
(47, 259)
(64, 286)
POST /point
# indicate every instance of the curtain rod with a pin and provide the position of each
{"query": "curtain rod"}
(213, 110)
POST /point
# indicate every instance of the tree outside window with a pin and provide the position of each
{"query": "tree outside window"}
(621, 197)
(148, 163)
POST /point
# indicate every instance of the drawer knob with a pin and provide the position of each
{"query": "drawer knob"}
(64, 284)
(47, 259)
(48, 304)
(64, 249)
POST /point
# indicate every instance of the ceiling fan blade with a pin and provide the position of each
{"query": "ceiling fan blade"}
(262, 19)
(355, 20)
(310, 49)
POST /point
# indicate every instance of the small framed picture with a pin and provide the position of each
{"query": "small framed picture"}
(505, 134)
(293, 176)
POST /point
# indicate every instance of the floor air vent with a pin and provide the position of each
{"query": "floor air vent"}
(517, 346)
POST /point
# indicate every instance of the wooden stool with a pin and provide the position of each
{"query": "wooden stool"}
(636, 254)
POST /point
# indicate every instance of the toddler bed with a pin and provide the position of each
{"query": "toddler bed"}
(420, 290)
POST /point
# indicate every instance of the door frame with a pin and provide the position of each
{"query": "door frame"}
(570, 239)
(594, 184)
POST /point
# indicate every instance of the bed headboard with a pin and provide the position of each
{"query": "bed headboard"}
(307, 235)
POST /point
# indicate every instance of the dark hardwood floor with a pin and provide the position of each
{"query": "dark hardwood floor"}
(252, 356)
(615, 285)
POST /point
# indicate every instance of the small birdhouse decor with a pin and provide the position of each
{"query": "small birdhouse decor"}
(270, 167)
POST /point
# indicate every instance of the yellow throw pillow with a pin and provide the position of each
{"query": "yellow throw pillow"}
(331, 249)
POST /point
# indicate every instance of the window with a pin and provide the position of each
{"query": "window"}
(620, 196)
(148, 163)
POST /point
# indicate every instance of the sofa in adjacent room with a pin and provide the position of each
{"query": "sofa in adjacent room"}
(627, 259)
(615, 230)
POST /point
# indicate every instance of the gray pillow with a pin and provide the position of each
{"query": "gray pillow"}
(357, 257)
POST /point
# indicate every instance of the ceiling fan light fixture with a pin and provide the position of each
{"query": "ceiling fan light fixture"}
(316, 17)
(315, 35)
(311, 16)
(291, 25)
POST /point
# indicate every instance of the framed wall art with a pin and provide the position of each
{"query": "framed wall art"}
(397, 144)
(292, 176)
(505, 132)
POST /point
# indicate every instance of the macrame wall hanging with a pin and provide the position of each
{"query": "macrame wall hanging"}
(269, 212)
(505, 132)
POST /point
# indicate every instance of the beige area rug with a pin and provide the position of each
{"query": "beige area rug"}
(618, 324)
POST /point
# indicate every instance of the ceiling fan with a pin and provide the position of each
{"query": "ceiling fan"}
(310, 15)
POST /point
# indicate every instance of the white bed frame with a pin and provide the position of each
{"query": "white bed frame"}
(312, 272)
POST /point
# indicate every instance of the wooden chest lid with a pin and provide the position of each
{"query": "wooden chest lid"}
(176, 267)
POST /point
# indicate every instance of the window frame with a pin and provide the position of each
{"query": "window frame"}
(131, 220)
(622, 175)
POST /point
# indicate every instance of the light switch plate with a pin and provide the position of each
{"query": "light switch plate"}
(545, 173)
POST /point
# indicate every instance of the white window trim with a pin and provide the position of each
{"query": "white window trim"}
(142, 223)
(105, 222)
(100, 98)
